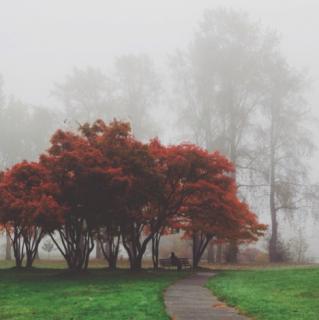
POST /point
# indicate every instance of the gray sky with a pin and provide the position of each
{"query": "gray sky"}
(41, 40)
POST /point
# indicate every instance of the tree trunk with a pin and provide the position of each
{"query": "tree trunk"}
(32, 239)
(29, 262)
(18, 258)
(109, 245)
(273, 254)
(135, 256)
(195, 251)
(18, 247)
(76, 244)
(233, 246)
(31, 255)
(137, 263)
(200, 242)
(155, 250)
(134, 245)
(113, 263)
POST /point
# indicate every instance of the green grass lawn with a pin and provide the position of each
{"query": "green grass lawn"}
(51, 294)
(272, 294)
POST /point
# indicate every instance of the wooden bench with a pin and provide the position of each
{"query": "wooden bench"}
(167, 263)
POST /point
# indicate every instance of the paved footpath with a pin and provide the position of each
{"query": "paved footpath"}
(187, 299)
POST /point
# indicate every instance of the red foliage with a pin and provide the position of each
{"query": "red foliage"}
(199, 195)
(89, 185)
(128, 215)
(103, 183)
(28, 208)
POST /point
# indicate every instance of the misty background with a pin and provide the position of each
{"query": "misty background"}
(50, 48)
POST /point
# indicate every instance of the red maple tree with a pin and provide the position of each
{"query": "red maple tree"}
(83, 176)
(28, 209)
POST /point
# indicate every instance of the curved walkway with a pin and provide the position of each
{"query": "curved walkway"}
(187, 299)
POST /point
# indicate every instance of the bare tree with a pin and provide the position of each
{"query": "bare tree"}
(138, 84)
(86, 94)
(129, 92)
(284, 144)
(219, 84)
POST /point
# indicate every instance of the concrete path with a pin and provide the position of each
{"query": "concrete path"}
(187, 299)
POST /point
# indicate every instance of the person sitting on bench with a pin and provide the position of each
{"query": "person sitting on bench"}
(175, 261)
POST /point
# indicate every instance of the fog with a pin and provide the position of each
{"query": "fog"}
(45, 44)
(41, 41)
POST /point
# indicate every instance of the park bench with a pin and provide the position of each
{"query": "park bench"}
(167, 263)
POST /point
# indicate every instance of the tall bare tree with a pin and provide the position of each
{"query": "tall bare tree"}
(283, 144)
(219, 84)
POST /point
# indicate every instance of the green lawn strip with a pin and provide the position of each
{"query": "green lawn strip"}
(50, 294)
(272, 294)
